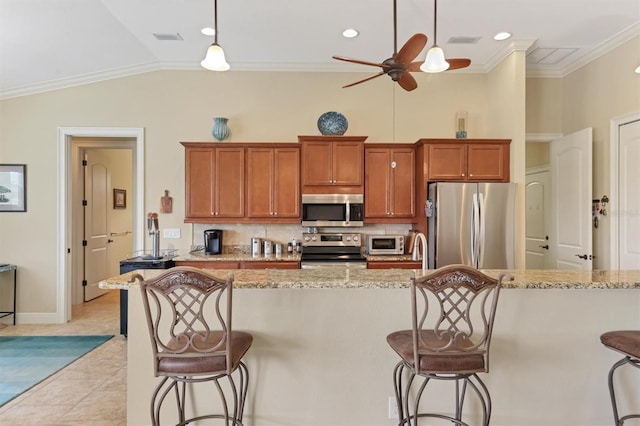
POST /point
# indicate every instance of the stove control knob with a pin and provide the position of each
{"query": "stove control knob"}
(314, 238)
(307, 238)
(348, 238)
(355, 238)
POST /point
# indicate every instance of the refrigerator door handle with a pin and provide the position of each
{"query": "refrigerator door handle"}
(475, 218)
(481, 238)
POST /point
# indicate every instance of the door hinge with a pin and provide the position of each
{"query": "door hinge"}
(84, 283)
(84, 162)
(84, 243)
(84, 203)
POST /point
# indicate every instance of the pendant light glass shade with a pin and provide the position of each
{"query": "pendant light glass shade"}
(435, 61)
(215, 60)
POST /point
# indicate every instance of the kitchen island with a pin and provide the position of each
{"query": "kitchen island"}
(320, 357)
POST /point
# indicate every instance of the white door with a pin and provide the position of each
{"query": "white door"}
(570, 235)
(537, 200)
(629, 196)
(96, 225)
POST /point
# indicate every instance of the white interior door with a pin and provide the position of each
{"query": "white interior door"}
(96, 225)
(629, 196)
(537, 199)
(570, 236)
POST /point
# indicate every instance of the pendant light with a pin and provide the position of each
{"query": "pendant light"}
(215, 60)
(435, 61)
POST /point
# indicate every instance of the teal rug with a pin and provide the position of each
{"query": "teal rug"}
(25, 361)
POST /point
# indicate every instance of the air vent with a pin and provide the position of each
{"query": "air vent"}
(167, 36)
(463, 40)
(549, 55)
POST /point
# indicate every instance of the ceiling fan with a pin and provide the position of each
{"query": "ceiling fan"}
(400, 63)
(435, 60)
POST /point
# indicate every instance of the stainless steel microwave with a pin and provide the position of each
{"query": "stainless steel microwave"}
(332, 210)
(385, 244)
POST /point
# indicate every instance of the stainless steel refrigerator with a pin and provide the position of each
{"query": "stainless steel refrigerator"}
(472, 224)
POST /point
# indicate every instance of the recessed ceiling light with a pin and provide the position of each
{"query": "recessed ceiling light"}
(638, 70)
(350, 33)
(208, 31)
(502, 36)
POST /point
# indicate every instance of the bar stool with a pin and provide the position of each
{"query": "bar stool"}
(188, 314)
(452, 312)
(627, 343)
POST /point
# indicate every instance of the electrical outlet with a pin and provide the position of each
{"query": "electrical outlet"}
(393, 408)
(171, 233)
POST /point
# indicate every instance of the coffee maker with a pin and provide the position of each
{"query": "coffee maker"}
(213, 241)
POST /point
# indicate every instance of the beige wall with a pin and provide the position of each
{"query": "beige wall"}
(507, 120)
(591, 96)
(537, 154)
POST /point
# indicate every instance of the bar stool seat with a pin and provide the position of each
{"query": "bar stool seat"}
(627, 342)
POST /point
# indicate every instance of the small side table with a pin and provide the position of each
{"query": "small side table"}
(14, 268)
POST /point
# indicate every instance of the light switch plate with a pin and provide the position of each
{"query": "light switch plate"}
(171, 233)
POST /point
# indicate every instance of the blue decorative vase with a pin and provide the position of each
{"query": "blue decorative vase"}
(332, 123)
(220, 129)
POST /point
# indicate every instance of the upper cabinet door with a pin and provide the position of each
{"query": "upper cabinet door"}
(447, 162)
(199, 179)
(229, 182)
(260, 172)
(389, 183)
(348, 163)
(332, 164)
(403, 183)
(317, 163)
(286, 183)
(488, 162)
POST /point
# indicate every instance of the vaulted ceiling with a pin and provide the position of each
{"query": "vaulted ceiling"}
(46, 44)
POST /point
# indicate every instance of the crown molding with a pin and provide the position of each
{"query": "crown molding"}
(601, 49)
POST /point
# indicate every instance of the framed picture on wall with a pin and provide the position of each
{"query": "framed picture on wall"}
(13, 188)
(119, 198)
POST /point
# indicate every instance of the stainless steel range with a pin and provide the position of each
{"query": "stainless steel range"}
(332, 250)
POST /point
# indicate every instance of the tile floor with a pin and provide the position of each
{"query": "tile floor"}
(91, 391)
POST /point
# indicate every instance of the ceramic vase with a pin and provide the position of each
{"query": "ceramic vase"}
(220, 129)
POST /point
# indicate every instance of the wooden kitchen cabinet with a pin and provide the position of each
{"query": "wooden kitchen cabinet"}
(273, 183)
(394, 264)
(247, 264)
(214, 182)
(209, 264)
(332, 164)
(473, 160)
(389, 194)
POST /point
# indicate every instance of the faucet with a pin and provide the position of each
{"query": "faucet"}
(416, 243)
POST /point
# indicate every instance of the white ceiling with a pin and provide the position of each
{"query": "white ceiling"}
(47, 44)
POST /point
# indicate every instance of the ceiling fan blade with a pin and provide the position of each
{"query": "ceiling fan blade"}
(415, 66)
(366, 79)
(358, 61)
(411, 49)
(457, 63)
(407, 82)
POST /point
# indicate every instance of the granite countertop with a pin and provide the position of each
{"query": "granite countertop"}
(397, 278)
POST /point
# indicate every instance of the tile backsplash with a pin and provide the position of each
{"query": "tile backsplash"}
(238, 235)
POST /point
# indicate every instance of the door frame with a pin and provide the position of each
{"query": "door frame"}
(65, 210)
(614, 184)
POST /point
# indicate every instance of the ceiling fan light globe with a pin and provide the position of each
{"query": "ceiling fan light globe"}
(435, 61)
(215, 60)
